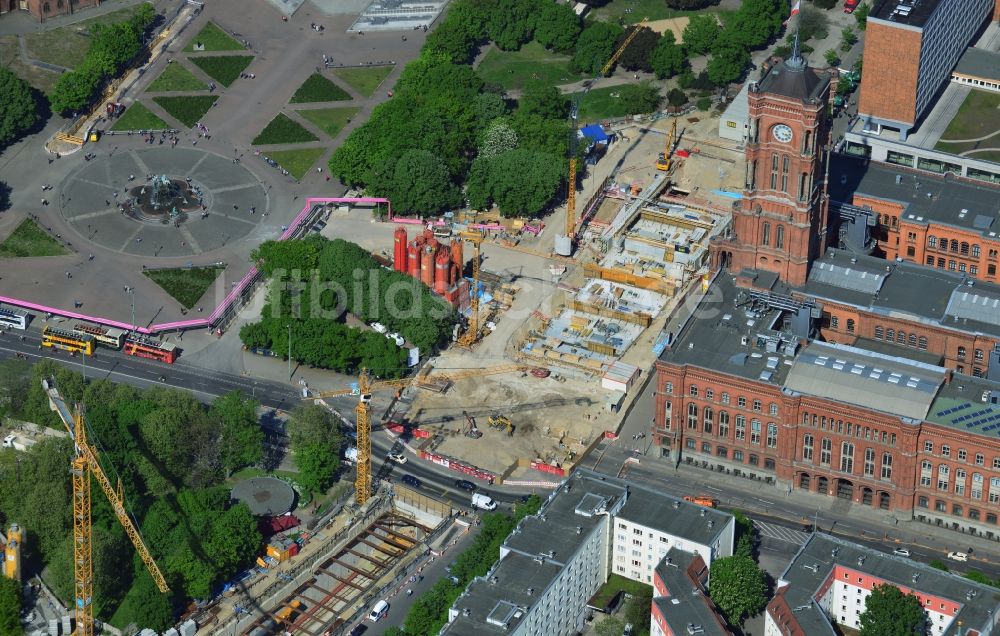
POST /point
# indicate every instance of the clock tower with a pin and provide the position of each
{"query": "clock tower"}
(780, 225)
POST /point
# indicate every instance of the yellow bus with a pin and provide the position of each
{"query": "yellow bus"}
(68, 340)
(107, 336)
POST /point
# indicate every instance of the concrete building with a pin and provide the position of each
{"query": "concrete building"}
(734, 124)
(43, 9)
(910, 51)
(829, 579)
(555, 562)
(979, 69)
(681, 605)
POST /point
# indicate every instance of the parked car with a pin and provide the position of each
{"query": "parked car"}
(399, 458)
(903, 552)
(958, 556)
(410, 480)
(465, 484)
(359, 629)
(378, 327)
(395, 337)
(850, 6)
(380, 610)
(483, 502)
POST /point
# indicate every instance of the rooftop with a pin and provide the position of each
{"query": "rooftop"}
(979, 63)
(687, 604)
(926, 198)
(815, 563)
(674, 516)
(913, 13)
(968, 404)
(795, 80)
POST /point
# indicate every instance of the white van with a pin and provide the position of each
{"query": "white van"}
(381, 609)
(378, 327)
(483, 502)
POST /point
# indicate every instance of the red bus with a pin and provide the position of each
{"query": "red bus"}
(144, 347)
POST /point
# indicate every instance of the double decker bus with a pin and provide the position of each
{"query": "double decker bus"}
(13, 318)
(145, 347)
(68, 340)
(107, 336)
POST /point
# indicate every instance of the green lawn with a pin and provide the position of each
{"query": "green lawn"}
(317, 88)
(978, 116)
(175, 77)
(364, 79)
(329, 120)
(600, 104)
(28, 239)
(187, 109)
(66, 46)
(213, 39)
(224, 69)
(186, 284)
(614, 585)
(138, 117)
(652, 9)
(297, 162)
(514, 69)
(283, 130)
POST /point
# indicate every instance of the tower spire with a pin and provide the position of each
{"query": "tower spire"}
(796, 62)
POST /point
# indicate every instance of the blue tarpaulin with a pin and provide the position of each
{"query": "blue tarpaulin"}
(595, 133)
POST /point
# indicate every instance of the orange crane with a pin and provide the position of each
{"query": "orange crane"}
(86, 463)
(573, 114)
(471, 335)
(366, 386)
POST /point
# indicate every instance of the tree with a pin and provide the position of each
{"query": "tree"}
(419, 183)
(639, 98)
(755, 23)
(861, 15)
(746, 539)
(315, 443)
(452, 40)
(638, 55)
(497, 139)
(145, 605)
(979, 577)
(825, 4)
(737, 587)
(831, 57)
(610, 626)
(519, 182)
(668, 58)
(701, 33)
(556, 26)
(510, 23)
(727, 64)
(812, 24)
(74, 90)
(489, 106)
(10, 607)
(848, 38)
(689, 5)
(594, 47)
(18, 111)
(242, 437)
(890, 612)
(676, 97)
(543, 100)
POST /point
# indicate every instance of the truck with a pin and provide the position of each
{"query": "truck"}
(483, 502)
(703, 500)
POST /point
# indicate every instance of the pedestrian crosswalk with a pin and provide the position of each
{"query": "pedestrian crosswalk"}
(781, 533)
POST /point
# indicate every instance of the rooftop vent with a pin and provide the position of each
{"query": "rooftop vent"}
(861, 559)
(916, 575)
(530, 591)
(694, 629)
(702, 512)
(494, 580)
(971, 594)
(711, 523)
(813, 568)
(579, 529)
(677, 504)
(465, 611)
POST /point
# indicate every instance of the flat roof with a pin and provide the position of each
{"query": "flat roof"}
(815, 562)
(966, 404)
(912, 13)
(979, 63)
(687, 604)
(926, 198)
(674, 516)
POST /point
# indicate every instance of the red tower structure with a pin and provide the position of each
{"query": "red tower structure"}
(442, 271)
(399, 256)
(457, 259)
(413, 257)
(427, 264)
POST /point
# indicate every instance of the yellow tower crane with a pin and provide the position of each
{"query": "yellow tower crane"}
(574, 112)
(663, 160)
(471, 335)
(366, 386)
(84, 464)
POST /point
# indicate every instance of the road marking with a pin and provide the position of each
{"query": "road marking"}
(781, 533)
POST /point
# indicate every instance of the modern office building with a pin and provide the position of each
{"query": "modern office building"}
(829, 579)
(555, 561)
(43, 9)
(911, 47)
(681, 605)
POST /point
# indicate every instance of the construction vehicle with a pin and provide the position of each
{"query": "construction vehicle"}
(84, 464)
(703, 500)
(285, 615)
(663, 160)
(574, 111)
(366, 386)
(471, 335)
(471, 430)
(501, 423)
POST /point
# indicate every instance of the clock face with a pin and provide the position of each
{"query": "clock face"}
(782, 133)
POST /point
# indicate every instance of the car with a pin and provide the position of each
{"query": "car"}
(359, 629)
(958, 556)
(378, 327)
(629, 630)
(395, 337)
(379, 611)
(399, 458)
(410, 480)
(903, 552)
(465, 484)
(454, 579)
(850, 6)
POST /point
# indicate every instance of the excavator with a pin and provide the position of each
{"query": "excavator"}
(501, 423)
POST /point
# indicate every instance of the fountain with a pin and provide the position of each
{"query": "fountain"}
(163, 200)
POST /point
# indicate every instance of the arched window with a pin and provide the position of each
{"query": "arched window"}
(922, 343)
(932, 241)
(879, 333)
(692, 416)
(961, 353)
(706, 416)
(890, 335)
(954, 245)
(766, 234)
(964, 249)
(779, 237)
(912, 340)
(900, 337)
(850, 325)
(975, 251)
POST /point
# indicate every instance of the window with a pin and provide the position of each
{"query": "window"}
(692, 416)
(961, 353)
(772, 408)
(956, 510)
(779, 237)
(991, 270)
(954, 245)
(725, 398)
(994, 490)
(925, 473)
(706, 416)
(772, 435)
(723, 424)
(693, 390)
(951, 265)
(709, 394)
(667, 415)
(975, 251)
(721, 451)
(977, 486)
(755, 432)
(959, 481)
(741, 428)
(946, 451)
(911, 251)
(886, 466)
(738, 455)
(939, 506)
(706, 448)
(850, 325)
(768, 463)
(807, 448)
(754, 460)
(879, 333)
(669, 388)
(900, 337)
(825, 451)
(964, 249)
(922, 343)
(847, 457)
(690, 443)
(962, 455)
(869, 462)
(973, 514)
(940, 262)
(928, 447)
(973, 269)
(911, 340)
(932, 241)
(922, 502)
(980, 460)
(756, 405)
(930, 261)
(766, 235)
(741, 402)
(996, 463)
(834, 322)
(890, 335)
(978, 355)
(943, 472)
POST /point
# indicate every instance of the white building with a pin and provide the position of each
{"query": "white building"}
(734, 124)
(556, 561)
(829, 579)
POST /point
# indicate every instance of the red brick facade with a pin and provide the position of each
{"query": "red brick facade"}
(43, 9)
(828, 447)
(892, 66)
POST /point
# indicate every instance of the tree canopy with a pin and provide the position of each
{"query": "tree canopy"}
(18, 110)
(701, 33)
(737, 587)
(419, 184)
(518, 182)
(637, 56)
(556, 26)
(10, 607)
(890, 612)
(668, 58)
(595, 46)
(315, 441)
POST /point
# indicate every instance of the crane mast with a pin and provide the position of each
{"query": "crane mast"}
(363, 480)
(471, 335)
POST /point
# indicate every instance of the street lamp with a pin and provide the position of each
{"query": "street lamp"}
(289, 353)
(131, 292)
